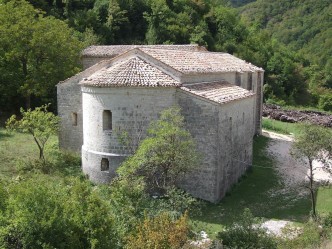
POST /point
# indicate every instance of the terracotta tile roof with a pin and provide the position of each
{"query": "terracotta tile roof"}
(114, 50)
(220, 92)
(131, 72)
(200, 62)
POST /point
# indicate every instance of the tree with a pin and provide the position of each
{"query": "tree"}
(165, 155)
(314, 143)
(40, 123)
(36, 52)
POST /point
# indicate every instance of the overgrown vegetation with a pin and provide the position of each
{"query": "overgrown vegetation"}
(246, 233)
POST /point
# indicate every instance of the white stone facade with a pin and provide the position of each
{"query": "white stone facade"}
(221, 105)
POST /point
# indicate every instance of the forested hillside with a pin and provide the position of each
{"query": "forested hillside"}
(305, 26)
(33, 48)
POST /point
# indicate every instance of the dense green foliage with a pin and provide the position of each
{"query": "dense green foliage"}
(305, 27)
(36, 52)
(43, 212)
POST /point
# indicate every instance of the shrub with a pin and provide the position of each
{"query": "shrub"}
(246, 233)
(160, 232)
(325, 102)
(309, 238)
(43, 212)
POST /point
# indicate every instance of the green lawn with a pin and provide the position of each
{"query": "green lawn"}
(18, 148)
(324, 200)
(281, 127)
(14, 147)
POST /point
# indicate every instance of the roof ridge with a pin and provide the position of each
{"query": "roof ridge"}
(131, 71)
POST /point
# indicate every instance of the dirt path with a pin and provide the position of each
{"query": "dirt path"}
(292, 172)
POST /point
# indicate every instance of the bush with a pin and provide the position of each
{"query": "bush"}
(246, 233)
(309, 238)
(43, 212)
(59, 161)
(325, 102)
(130, 204)
(160, 232)
(176, 202)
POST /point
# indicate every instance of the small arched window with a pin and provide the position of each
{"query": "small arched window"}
(104, 165)
(107, 120)
(74, 119)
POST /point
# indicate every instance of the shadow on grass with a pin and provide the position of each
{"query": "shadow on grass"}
(4, 134)
(258, 191)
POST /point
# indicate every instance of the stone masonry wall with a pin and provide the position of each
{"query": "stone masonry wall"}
(69, 102)
(236, 129)
(224, 137)
(132, 109)
(201, 117)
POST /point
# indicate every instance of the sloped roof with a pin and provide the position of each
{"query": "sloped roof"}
(133, 71)
(114, 50)
(189, 62)
(219, 92)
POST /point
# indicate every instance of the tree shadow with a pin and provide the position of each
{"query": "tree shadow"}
(4, 134)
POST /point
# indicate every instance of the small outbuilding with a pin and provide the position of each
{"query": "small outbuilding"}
(123, 88)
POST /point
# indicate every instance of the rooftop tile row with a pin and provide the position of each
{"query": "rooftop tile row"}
(131, 72)
(220, 92)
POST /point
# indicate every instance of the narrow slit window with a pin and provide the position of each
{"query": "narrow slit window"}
(237, 79)
(74, 119)
(249, 81)
(107, 120)
(105, 164)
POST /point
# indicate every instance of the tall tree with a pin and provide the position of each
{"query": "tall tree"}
(36, 52)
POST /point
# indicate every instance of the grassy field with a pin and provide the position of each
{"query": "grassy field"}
(17, 149)
(281, 127)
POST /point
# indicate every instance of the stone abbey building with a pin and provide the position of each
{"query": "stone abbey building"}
(125, 87)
